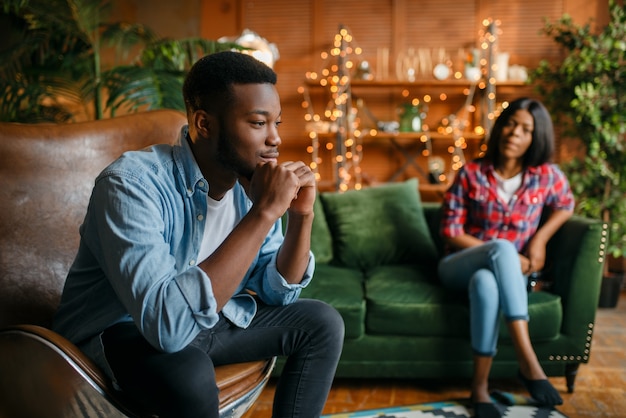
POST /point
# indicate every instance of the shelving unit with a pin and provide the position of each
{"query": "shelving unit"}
(359, 112)
(383, 97)
(380, 100)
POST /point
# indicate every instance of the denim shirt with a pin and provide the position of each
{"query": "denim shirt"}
(137, 256)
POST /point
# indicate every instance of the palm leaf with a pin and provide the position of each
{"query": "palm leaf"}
(59, 48)
(35, 102)
(180, 54)
(125, 36)
(157, 81)
(133, 88)
(88, 16)
(48, 48)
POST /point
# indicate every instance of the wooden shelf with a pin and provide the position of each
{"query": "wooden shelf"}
(412, 136)
(429, 83)
(408, 136)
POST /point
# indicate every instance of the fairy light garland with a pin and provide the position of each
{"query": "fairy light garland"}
(339, 116)
(338, 124)
(488, 44)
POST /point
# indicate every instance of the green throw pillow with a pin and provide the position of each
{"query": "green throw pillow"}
(379, 225)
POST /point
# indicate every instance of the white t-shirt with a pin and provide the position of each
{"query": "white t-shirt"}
(508, 187)
(220, 221)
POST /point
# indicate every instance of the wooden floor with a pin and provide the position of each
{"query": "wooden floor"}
(600, 386)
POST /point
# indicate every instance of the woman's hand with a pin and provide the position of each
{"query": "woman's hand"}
(525, 264)
(536, 254)
(535, 258)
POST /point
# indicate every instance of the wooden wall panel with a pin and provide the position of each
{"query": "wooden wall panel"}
(219, 18)
(287, 23)
(521, 24)
(449, 24)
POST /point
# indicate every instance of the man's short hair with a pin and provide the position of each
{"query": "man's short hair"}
(208, 85)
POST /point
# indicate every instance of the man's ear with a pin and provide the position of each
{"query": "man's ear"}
(203, 123)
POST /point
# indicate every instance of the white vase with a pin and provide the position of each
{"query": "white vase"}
(501, 69)
(472, 73)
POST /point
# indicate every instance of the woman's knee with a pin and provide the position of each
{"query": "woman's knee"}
(504, 257)
(502, 247)
(483, 285)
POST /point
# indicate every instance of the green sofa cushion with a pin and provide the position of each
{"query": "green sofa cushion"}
(404, 300)
(343, 289)
(546, 317)
(378, 225)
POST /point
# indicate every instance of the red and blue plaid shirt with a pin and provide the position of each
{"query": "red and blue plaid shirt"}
(472, 205)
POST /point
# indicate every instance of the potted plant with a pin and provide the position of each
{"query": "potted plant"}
(586, 93)
(51, 62)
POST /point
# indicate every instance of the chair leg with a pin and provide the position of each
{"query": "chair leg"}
(571, 370)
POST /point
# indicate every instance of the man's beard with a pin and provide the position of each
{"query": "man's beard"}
(227, 156)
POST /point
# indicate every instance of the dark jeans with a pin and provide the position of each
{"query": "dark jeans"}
(182, 384)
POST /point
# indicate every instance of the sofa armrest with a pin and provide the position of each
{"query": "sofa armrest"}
(574, 263)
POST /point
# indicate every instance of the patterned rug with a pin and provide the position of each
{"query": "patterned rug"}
(512, 406)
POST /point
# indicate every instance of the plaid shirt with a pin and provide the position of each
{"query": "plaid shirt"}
(472, 205)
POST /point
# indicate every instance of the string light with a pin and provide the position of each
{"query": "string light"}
(340, 117)
(488, 43)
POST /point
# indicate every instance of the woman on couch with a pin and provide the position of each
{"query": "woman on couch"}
(491, 226)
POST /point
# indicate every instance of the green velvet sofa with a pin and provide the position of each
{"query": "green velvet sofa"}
(377, 250)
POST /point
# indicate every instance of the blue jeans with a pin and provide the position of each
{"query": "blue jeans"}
(492, 275)
(182, 384)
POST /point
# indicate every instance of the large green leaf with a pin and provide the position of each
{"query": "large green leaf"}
(133, 88)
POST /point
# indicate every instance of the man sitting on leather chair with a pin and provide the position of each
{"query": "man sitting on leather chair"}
(182, 264)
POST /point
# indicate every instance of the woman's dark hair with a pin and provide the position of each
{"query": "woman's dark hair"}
(208, 85)
(541, 148)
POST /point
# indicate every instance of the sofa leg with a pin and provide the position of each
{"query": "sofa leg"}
(571, 370)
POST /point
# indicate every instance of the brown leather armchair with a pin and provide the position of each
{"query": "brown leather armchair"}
(46, 176)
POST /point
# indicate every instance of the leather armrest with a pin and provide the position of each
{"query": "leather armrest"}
(43, 371)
